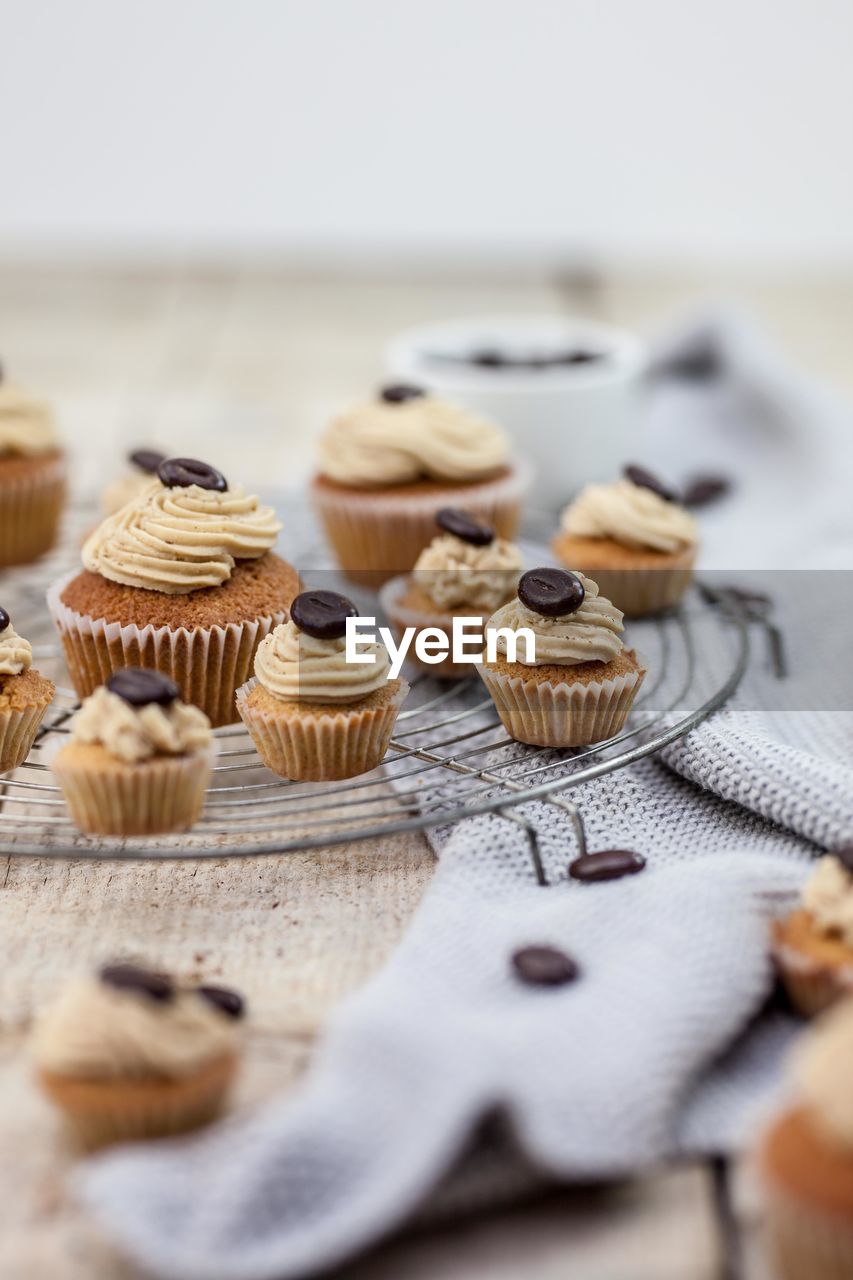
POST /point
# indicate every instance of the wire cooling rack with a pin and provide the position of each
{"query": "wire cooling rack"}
(450, 757)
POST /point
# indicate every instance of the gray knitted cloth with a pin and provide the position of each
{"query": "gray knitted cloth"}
(657, 1049)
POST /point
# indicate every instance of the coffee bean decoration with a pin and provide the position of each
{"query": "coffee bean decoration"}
(702, 490)
(131, 977)
(139, 687)
(647, 480)
(544, 967)
(554, 593)
(463, 526)
(180, 473)
(229, 1002)
(147, 460)
(5, 620)
(322, 614)
(400, 392)
(606, 864)
(844, 854)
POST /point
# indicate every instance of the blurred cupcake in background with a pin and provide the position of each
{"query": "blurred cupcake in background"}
(25, 695)
(634, 538)
(813, 946)
(32, 476)
(466, 571)
(141, 469)
(386, 466)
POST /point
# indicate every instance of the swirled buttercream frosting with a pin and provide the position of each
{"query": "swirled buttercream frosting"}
(630, 514)
(126, 488)
(380, 444)
(455, 573)
(294, 666)
(178, 540)
(137, 733)
(828, 898)
(16, 653)
(590, 634)
(27, 426)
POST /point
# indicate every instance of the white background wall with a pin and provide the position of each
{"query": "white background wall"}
(665, 129)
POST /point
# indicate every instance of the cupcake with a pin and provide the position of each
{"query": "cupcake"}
(182, 581)
(313, 715)
(806, 1158)
(813, 946)
(467, 571)
(141, 467)
(634, 539)
(569, 680)
(25, 695)
(386, 466)
(138, 760)
(32, 477)
(131, 1054)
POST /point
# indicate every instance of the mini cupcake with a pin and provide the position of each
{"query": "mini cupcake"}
(314, 716)
(141, 468)
(806, 1158)
(138, 760)
(571, 680)
(386, 466)
(467, 571)
(25, 695)
(132, 1055)
(32, 477)
(181, 581)
(813, 946)
(634, 539)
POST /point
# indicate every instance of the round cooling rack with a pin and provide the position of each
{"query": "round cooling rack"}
(449, 759)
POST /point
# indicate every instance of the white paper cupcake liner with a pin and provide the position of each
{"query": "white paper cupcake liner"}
(806, 1242)
(401, 617)
(562, 715)
(638, 592)
(30, 507)
(208, 664)
(17, 734)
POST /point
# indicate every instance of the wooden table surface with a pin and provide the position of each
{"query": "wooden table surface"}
(243, 366)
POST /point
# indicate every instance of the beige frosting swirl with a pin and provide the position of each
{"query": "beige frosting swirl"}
(828, 898)
(126, 488)
(95, 1032)
(292, 665)
(590, 634)
(381, 444)
(180, 540)
(27, 425)
(453, 572)
(632, 515)
(137, 733)
(16, 653)
(822, 1064)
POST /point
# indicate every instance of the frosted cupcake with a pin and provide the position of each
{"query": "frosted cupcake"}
(312, 715)
(131, 1054)
(183, 581)
(634, 539)
(806, 1158)
(32, 477)
(141, 468)
(813, 946)
(138, 760)
(386, 466)
(25, 696)
(578, 684)
(467, 571)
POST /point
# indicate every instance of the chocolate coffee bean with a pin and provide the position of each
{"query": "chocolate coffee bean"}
(607, 864)
(646, 480)
(544, 967)
(225, 1000)
(552, 592)
(147, 460)
(5, 620)
(322, 614)
(844, 854)
(703, 490)
(131, 977)
(180, 473)
(463, 526)
(400, 392)
(140, 687)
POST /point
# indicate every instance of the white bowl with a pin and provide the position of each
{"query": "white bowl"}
(576, 423)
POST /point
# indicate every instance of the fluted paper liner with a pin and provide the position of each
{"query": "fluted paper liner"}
(30, 507)
(811, 985)
(101, 1112)
(400, 617)
(376, 535)
(149, 797)
(638, 592)
(562, 715)
(17, 734)
(806, 1242)
(208, 664)
(308, 747)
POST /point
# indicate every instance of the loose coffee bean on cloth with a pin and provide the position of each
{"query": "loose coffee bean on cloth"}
(664, 1045)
